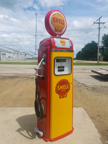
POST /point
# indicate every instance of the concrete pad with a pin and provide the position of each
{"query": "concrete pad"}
(17, 126)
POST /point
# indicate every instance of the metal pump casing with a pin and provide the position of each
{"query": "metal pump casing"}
(55, 86)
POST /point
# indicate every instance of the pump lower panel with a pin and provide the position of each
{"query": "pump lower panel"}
(57, 138)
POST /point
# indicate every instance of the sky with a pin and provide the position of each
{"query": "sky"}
(18, 22)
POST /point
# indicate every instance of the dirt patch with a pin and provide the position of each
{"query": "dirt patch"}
(17, 92)
(95, 101)
(20, 92)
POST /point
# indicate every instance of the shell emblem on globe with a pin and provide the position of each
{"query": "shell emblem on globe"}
(58, 22)
(55, 23)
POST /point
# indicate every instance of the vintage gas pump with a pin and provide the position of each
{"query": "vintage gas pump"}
(54, 81)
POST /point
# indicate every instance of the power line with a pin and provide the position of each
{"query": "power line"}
(35, 32)
(81, 29)
(46, 32)
(99, 23)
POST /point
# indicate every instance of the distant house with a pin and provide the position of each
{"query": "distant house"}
(35, 56)
(7, 54)
(29, 56)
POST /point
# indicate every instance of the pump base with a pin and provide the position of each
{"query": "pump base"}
(57, 138)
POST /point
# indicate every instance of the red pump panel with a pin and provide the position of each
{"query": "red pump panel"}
(43, 87)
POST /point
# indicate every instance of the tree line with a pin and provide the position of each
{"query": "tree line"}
(89, 52)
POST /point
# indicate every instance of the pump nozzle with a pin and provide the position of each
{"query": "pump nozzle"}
(39, 67)
(36, 130)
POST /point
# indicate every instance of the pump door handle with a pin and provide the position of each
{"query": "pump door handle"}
(39, 67)
(41, 76)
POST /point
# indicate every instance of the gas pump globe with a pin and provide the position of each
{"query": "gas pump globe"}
(54, 81)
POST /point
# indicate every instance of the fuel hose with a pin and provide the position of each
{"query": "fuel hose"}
(38, 105)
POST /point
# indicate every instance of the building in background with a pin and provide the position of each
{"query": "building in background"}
(29, 56)
(8, 54)
(35, 56)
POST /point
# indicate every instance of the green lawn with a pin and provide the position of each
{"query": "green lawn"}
(20, 63)
(35, 63)
(92, 64)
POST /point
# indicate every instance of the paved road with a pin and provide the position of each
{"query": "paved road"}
(17, 70)
(83, 61)
(82, 74)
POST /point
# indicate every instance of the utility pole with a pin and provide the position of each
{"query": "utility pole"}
(35, 32)
(99, 23)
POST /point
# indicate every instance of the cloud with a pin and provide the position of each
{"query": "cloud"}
(102, 5)
(82, 31)
(25, 3)
(50, 3)
(19, 33)
(8, 4)
(36, 7)
(16, 5)
(102, 0)
(8, 19)
(18, 23)
(17, 30)
(82, 23)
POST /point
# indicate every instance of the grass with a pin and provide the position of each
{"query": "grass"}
(91, 64)
(20, 63)
(35, 63)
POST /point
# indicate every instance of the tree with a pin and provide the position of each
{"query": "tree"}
(106, 54)
(105, 46)
(105, 40)
(89, 52)
(78, 56)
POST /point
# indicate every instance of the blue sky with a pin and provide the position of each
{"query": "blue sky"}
(18, 21)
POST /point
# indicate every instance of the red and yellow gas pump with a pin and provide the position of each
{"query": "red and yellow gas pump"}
(54, 81)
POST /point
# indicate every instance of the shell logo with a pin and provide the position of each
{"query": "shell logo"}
(58, 22)
(55, 22)
(62, 88)
(63, 42)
